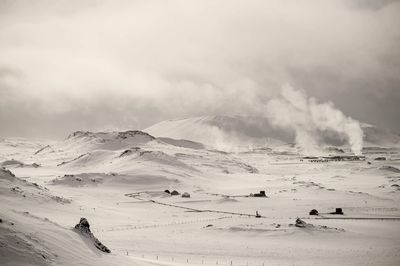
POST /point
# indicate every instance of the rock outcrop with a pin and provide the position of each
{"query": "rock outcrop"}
(6, 174)
(83, 228)
(300, 223)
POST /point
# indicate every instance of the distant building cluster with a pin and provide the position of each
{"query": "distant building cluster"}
(336, 158)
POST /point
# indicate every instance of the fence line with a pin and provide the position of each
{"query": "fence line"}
(136, 227)
(135, 196)
(197, 260)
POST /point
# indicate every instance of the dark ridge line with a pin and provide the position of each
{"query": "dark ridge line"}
(41, 149)
(77, 158)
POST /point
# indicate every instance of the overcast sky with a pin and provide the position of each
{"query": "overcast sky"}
(96, 65)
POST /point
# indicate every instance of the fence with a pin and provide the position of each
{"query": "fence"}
(137, 227)
(196, 260)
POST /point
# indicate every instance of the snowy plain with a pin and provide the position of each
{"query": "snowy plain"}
(117, 180)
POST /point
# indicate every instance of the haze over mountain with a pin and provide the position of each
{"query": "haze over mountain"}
(228, 132)
(122, 65)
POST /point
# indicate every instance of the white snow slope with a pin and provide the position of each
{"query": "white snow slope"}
(117, 180)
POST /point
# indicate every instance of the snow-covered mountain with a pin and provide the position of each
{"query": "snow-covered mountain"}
(374, 136)
(222, 131)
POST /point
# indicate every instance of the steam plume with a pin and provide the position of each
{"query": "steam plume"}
(311, 120)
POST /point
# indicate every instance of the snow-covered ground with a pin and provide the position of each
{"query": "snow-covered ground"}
(117, 181)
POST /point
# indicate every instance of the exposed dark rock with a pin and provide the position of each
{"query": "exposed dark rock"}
(313, 212)
(83, 228)
(335, 149)
(41, 149)
(390, 168)
(125, 153)
(16, 189)
(300, 223)
(6, 174)
(75, 159)
(248, 168)
(81, 134)
(132, 133)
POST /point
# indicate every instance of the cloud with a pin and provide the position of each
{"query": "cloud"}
(128, 64)
(312, 121)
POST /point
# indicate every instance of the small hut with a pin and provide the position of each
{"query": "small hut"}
(338, 211)
(185, 195)
(261, 194)
(175, 193)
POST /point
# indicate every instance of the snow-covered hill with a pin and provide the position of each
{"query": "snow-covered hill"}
(118, 181)
(223, 132)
